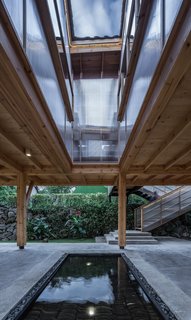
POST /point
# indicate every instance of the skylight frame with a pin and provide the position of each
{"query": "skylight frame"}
(91, 40)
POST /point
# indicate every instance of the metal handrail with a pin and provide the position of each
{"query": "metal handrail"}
(162, 197)
(143, 218)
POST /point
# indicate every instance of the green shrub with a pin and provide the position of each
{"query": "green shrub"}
(38, 229)
(97, 214)
(73, 215)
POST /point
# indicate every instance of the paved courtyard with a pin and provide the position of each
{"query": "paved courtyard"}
(166, 266)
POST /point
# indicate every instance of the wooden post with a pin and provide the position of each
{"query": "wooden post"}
(21, 210)
(122, 211)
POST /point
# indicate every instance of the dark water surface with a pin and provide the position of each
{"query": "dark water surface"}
(94, 287)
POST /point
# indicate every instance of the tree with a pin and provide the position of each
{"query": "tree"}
(56, 189)
(7, 190)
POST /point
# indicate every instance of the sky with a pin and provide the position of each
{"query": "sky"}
(96, 17)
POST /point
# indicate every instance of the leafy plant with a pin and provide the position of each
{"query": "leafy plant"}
(56, 189)
(38, 229)
(75, 226)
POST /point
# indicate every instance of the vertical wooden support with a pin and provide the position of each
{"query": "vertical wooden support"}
(21, 210)
(122, 211)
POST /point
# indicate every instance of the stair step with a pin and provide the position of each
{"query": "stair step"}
(133, 233)
(153, 241)
(131, 238)
(136, 237)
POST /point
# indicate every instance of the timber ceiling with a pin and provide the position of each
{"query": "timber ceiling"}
(158, 152)
(96, 64)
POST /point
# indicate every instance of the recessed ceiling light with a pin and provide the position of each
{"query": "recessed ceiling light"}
(28, 152)
(91, 311)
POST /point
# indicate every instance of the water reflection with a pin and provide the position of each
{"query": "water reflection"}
(93, 285)
(93, 288)
(80, 290)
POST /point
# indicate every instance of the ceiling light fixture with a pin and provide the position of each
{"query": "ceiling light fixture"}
(91, 311)
(28, 152)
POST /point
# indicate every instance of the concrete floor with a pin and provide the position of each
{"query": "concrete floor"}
(166, 266)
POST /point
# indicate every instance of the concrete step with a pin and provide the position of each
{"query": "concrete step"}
(132, 237)
(137, 242)
(137, 237)
(133, 233)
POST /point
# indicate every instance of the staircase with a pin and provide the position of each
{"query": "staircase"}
(149, 193)
(132, 237)
(166, 208)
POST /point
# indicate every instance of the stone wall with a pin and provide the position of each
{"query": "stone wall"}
(7, 224)
(179, 228)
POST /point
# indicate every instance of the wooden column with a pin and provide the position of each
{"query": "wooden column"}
(122, 211)
(21, 211)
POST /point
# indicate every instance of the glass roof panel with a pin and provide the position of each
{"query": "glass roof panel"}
(95, 19)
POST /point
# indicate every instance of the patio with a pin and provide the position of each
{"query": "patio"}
(166, 267)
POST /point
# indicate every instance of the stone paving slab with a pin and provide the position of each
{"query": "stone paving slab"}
(165, 266)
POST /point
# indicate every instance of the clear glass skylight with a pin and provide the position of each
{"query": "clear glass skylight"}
(91, 19)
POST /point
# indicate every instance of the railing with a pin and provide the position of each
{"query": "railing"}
(157, 191)
(161, 211)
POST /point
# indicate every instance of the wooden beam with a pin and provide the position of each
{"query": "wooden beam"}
(89, 48)
(122, 211)
(81, 67)
(115, 183)
(84, 179)
(163, 180)
(4, 172)
(98, 169)
(31, 185)
(21, 211)
(10, 163)
(159, 170)
(17, 146)
(170, 139)
(134, 179)
(102, 64)
(67, 178)
(181, 155)
(173, 64)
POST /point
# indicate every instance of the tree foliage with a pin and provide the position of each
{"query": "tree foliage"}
(8, 196)
(70, 214)
(56, 190)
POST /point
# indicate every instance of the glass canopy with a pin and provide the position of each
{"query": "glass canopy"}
(95, 19)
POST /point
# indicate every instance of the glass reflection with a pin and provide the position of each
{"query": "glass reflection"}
(16, 13)
(171, 10)
(39, 56)
(95, 120)
(151, 48)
